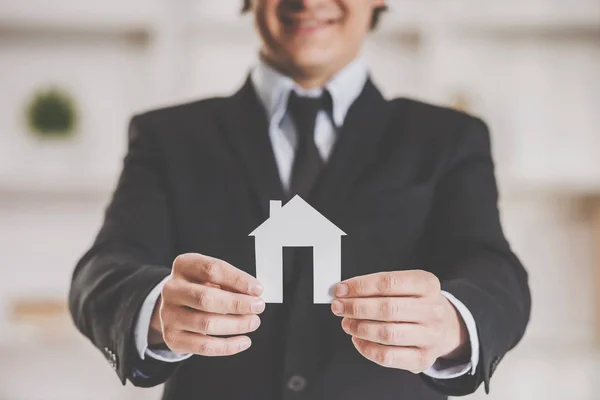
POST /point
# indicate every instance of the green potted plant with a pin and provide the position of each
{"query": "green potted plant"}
(52, 114)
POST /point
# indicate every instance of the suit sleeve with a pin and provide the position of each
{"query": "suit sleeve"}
(131, 254)
(466, 247)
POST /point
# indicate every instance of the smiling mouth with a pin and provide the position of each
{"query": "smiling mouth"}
(306, 25)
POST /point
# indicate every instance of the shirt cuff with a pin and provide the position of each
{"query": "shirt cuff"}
(143, 326)
(445, 369)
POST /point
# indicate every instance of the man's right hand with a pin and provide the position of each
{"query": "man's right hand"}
(203, 297)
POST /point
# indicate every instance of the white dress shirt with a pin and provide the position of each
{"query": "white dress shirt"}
(273, 90)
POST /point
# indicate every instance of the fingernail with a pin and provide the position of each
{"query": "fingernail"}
(341, 290)
(258, 306)
(337, 307)
(345, 324)
(256, 289)
(254, 323)
(245, 344)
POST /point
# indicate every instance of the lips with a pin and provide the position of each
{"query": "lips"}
(306, 25)
(311, 23)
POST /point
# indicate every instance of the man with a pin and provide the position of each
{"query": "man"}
(432, 296)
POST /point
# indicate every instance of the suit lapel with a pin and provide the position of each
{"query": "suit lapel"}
(355, 149)
(247, 132)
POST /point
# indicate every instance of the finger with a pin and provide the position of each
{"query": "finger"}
(200, 268)
(388, 333)
(210, 299)
(215, 324)
(210, 346)
(407, 358)
(395, 283)
(387, 309)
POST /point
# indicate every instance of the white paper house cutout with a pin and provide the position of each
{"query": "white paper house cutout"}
(297, 224)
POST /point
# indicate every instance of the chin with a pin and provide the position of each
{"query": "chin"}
(313, 59)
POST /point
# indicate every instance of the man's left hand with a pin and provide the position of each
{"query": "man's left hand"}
(401, 320)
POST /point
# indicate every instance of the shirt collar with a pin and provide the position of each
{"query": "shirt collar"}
(273, 89)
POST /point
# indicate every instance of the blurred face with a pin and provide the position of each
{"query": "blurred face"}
(312, 38)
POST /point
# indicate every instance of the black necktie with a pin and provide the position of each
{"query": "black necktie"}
(307, 160)
(306, 168)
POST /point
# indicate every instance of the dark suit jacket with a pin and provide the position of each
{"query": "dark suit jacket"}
(411, 184)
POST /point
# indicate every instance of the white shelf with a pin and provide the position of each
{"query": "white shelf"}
(72, 185)
(554, 16)
(577, 186)
(223, 17)
(108, 16)
(497, 16)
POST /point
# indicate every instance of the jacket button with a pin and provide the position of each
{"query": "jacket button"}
(297, 383)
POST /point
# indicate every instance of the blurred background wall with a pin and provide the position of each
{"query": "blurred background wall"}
(530, 68)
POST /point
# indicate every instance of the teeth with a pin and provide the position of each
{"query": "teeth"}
(309, 23)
